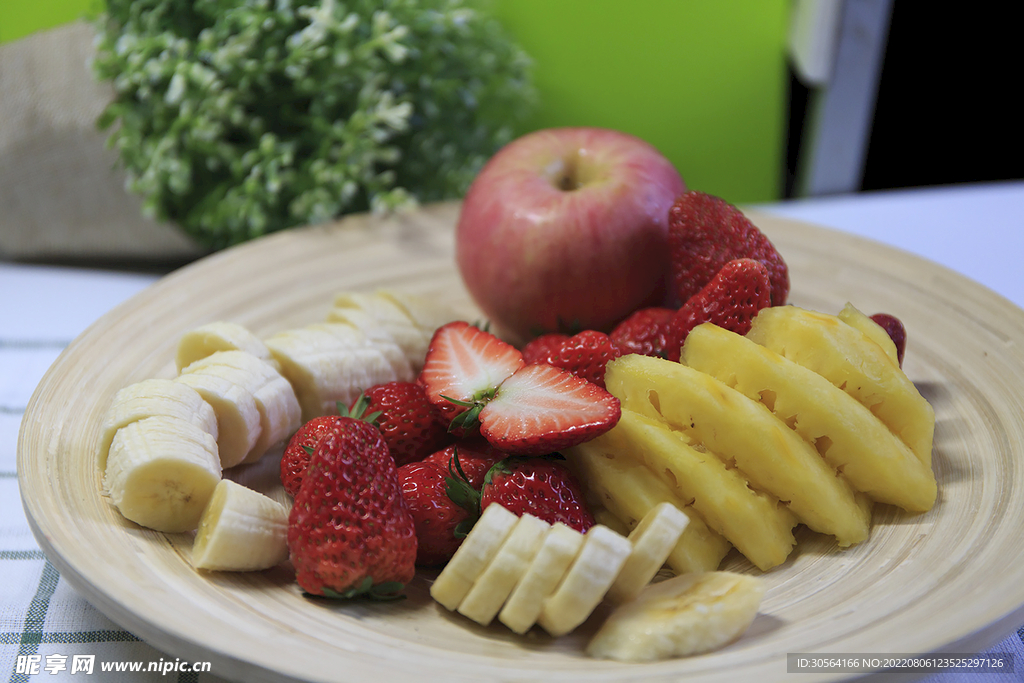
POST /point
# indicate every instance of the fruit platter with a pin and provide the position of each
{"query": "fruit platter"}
(922, 581)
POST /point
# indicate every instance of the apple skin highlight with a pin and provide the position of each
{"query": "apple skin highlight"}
(567, 228)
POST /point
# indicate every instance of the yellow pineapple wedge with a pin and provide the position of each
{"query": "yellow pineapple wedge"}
(846, 434)
(838, 352)
(756, 523)
(628, 490)
(855, 318)
(746, 435)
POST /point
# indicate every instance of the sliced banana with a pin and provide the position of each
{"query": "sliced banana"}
(238, 419)
(653, 540)
(404, 344)
(161, 472)
(476, 552)
(685, 615)
(219, 336)
(587, 581)
(240, 530)
(508, 567)
(152, 398)
(560, 547)
(328, 363)
(278, 408)
(426, 313)
(370, 334)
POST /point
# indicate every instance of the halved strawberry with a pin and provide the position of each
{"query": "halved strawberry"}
(521, 408)
(542, 409)
(466, 364)
(731, 300)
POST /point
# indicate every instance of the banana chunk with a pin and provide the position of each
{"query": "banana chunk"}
(685, 615)
(560, 547)
(276, 403)
(240, 530)
(473, 556)
(238, 418)
(155, 398)
(587, 581)
(508, 567)
(161, 472)
(653, 539)
(219, 336)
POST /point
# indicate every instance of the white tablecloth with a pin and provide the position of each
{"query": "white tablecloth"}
(976, 230)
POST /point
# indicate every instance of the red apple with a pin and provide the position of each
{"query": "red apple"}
(567, 228)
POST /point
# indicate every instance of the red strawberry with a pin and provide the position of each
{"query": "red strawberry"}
(705, 233)
(893, 326)
(413, 428)
(440, 509)
(542, 409)
(645, 332)
(466, 364)
(475, 457)
(543, 347)
(295, 458)
(521, 409)
(731, 300)
(543, 487)
(584, 355)
(349, 531)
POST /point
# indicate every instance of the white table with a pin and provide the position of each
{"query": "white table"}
(976, 230)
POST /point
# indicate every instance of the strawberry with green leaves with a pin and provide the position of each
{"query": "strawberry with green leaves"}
(477, 378)
(704, 234)
(413, 428)
(349, 531)
(731, 300)
(542, 486)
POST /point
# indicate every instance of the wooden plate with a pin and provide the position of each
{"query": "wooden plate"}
(946, 581)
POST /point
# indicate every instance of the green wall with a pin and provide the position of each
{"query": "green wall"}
(704, 81)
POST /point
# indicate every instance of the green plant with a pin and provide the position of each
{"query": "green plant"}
(237, 118)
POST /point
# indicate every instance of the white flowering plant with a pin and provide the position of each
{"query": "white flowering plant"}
(236, 118)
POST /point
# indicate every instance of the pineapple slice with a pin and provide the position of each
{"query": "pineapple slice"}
(744, 433)
(845, 433)
(855, 318)
(628, 490)
(754, 522)
(838, 352)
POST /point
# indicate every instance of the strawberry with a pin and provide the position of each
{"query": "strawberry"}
(350, 532)
(705, 233)
(413, 428)
(644, 332)
(731, 300)
(893, 326)
(475, 457)
(440, 509)
(584, 355)
(522, 409)
(543, 487)
(295, 458)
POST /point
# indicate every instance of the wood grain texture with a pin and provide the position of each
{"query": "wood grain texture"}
(946, 580)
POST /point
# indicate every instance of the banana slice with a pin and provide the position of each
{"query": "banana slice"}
(427, 314)
(278, 408)
(476, 552)
(560, 547)
(219, 336)
(328, 363)
(152, 398)
(508, 567)
(653, 540)
(368, 332)
(240, 530)
(161, 472)
(685, 615)
(401, 343)
(238, 418)
(587, 581)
